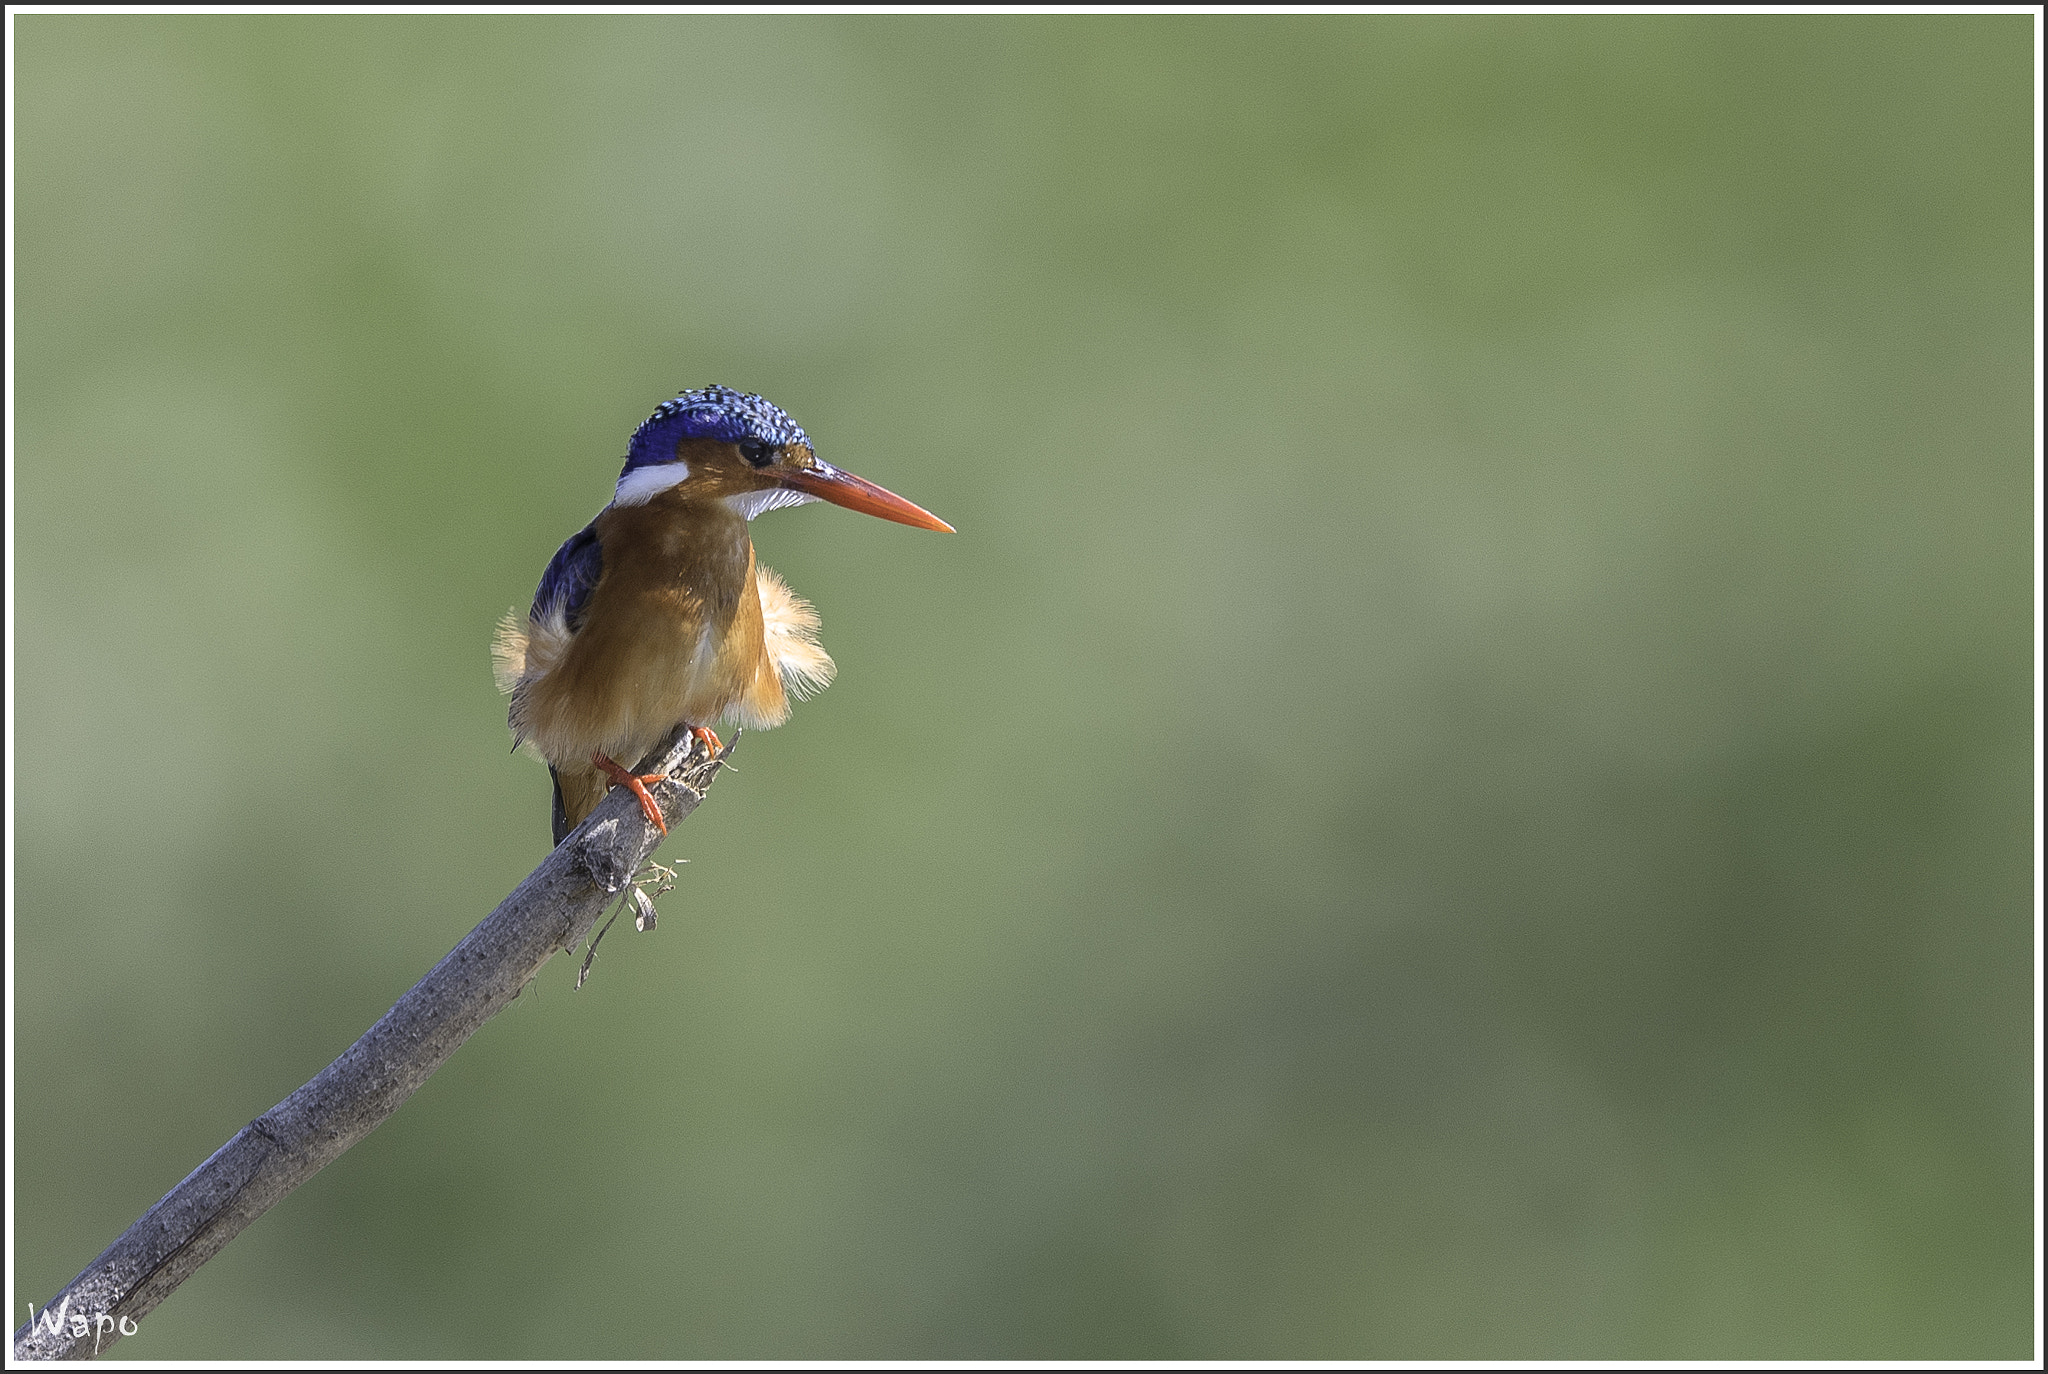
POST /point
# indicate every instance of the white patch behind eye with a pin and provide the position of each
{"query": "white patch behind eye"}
(753, 503)
(643, 484)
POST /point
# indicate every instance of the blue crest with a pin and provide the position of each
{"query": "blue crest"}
(716, 412)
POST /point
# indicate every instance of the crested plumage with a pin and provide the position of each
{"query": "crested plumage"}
(714, 412)
(656, 614)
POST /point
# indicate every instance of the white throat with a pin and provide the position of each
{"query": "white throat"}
(753, 503)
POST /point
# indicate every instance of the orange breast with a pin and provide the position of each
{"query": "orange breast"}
(673, 633)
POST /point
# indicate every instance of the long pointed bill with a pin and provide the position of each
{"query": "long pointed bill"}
(858, 493)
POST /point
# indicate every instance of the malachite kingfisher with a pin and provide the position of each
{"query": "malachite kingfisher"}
(655, 613)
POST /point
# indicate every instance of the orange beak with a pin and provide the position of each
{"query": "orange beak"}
(828, 483)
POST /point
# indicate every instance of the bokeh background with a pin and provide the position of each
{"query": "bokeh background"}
(1463, 790)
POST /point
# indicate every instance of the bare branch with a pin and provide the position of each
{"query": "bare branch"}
(553, 910)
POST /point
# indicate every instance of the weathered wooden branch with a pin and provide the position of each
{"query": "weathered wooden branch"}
(553, 910)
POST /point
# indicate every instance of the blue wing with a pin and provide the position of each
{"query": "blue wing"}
(571, 577)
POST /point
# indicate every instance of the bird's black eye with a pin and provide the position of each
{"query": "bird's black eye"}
(759, 452)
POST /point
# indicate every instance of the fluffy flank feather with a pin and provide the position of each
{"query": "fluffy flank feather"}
(790, 628)
(524, 651)
(508, 650)
(548, 639)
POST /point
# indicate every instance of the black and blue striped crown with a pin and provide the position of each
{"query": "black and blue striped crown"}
(715, 412)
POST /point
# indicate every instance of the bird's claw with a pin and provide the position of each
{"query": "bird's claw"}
(637, 784)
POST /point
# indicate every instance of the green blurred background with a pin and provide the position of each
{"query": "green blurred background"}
(1463, 790)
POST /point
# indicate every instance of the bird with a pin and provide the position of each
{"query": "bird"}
(656, 614)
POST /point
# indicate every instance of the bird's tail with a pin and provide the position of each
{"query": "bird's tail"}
(576, 796)
(559, 814)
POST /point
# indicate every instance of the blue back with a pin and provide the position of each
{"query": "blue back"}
(571, 577)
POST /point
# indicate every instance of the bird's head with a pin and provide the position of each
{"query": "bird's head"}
(718, 444)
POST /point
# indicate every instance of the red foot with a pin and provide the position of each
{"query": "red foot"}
(638, 785)
(703, 732)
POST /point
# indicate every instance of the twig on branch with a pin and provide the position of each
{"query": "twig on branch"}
(553, 910)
